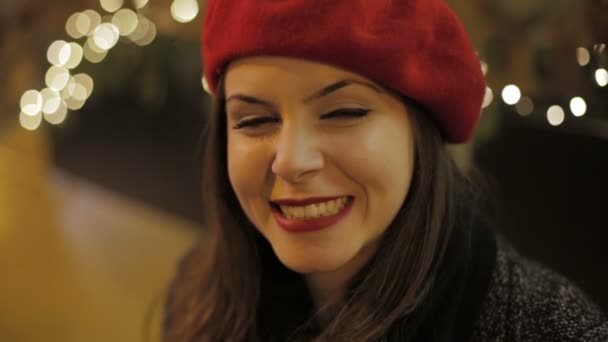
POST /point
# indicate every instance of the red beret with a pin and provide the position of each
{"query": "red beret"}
(417, 47)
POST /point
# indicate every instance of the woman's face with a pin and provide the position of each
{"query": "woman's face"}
(320, 159)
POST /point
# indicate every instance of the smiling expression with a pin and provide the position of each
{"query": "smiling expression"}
(301, 133)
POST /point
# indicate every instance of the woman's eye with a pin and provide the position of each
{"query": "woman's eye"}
(255, 121)
(346, 112)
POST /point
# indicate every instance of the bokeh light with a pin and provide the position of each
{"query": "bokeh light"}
(601, 77)
(578, 106)
(184, 11)
(30, 122)
(583, 57)
(139, 3)
(31, 102)
(144, 33)
(88, 22)
(106, 36)
(58, 116)
(126, 21)
(205, 84)
(93, 53)
(111, 5)
(51, 99)
(78, 90)
(59, 53)
(524, 106)
(488, 97)
(57, 77)
(75, 56)
(484, 67)
(555, 115)
(72, 28)
(511, 94)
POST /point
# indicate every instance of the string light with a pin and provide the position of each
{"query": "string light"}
(31, 102)
(106, 36)
(59, 53)
(93, 53)
(65, 92)
(51, 99)
(72, 28)
(76, 55)
(126, 21)
(555, 115)
(89, 20)
(511, 94)
(487, 98)
(144, 33)
(57, 77)
(601, 77)
(583, 56)
(578, 106)
(58, 116)
(111, 5)
(184, 11)
(139, 3)
(524, 106)
(29, 122)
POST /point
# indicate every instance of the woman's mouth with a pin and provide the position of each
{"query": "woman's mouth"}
(311, 214)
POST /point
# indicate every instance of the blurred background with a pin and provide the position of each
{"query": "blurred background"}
(102, 104)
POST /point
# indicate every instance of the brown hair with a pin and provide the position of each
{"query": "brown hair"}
(231, 286)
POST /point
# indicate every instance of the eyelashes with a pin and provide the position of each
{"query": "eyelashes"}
(342, 113)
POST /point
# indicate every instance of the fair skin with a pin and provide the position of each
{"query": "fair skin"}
(295, 150)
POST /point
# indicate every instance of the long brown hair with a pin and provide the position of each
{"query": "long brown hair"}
(231, 286)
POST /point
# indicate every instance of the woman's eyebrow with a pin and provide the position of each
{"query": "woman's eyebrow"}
(317, 95)
(337, 86)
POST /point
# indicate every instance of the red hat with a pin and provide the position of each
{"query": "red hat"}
(418, 47)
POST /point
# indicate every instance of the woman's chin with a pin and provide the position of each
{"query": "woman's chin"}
(313, 262)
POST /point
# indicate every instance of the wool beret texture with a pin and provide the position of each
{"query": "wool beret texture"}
(416, 47)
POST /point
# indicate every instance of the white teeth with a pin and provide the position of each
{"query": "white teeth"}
(314, 210)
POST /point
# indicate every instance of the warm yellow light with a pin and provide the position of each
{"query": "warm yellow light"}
(51, 99)
(141, 29)
(77, 91)
(126, 21)
(524, 106)
(59, 53)
(140, 3)
(111, 5)
(106, 36)
(578, 106)
(205, 85)
(75, 56)
(58, 116)
(71, 26)
(86, 82)
(93, 53)
(601, 77)
(488, 98)
(87, 23)
(184, 10)
(582, 56)
(555, 115)
(31, 103)
(511, 94)
(29, 122)
(145, 33)
(57, 77)
(484, 67)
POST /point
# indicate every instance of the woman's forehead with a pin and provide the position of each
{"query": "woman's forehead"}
(253, 73)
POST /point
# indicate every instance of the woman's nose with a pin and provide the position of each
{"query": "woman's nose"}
(297, 156)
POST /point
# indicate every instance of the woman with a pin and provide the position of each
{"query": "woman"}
(334, 211)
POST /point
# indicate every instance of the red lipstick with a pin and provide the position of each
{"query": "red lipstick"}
(301, 225)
